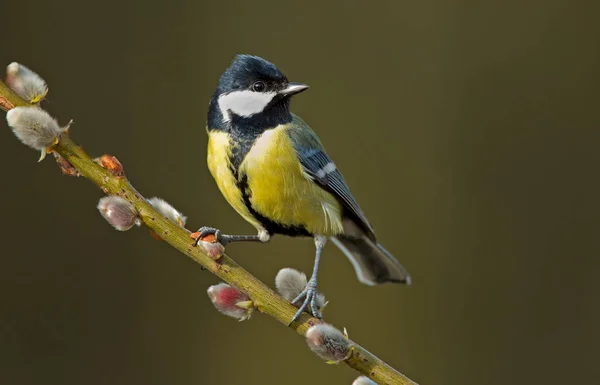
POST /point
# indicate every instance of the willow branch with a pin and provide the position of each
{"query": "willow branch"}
(265, 299)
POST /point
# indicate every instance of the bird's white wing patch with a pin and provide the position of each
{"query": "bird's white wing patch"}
(327, 169)
(244, 103)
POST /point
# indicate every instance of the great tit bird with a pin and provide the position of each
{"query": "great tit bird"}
(272, 168)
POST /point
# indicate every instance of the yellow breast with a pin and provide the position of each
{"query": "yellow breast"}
(282, 192)
(218, 163)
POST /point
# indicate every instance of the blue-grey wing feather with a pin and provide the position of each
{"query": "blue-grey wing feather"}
(315, 162)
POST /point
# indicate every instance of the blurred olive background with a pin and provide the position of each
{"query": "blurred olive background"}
(467, 130)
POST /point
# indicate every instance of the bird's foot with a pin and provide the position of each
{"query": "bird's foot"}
(205, 231)
(309, 296)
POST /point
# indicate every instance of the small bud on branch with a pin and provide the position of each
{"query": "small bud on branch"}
(26, 83)
(35, 128)
(168, 211)
(328, 343)
(64, 165)
(231, 301)
(290, 283)
(112, 164)
(209, 245)
(119, 212)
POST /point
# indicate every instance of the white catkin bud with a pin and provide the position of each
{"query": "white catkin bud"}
(35, 127)
(290, 283)
(26, 83)
(328, 343)
(364, 380)
(168, 211)
(119, 212)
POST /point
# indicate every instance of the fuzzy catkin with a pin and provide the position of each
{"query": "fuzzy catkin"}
(328, 343)
(227, 299)
(34, 127)
(119, 212)
(168, 211)
(26, 83)
(290, 283)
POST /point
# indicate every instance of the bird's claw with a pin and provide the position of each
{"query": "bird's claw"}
(309, 298)
(206, 230)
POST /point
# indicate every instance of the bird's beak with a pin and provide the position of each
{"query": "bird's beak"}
(293, 88)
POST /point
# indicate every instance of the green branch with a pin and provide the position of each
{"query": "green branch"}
(265, 299)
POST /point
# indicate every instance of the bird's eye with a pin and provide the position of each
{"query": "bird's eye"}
(259, 86)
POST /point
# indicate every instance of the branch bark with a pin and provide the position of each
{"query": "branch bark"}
(265, 299)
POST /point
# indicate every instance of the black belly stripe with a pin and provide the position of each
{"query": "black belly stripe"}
(239, 150)
(242, 139)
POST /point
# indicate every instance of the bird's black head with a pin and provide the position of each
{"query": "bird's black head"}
(251, 73)
(252, 91)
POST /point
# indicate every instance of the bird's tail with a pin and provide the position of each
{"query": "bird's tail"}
(373, 264)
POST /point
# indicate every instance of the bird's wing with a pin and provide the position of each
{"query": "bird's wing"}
(319, 166)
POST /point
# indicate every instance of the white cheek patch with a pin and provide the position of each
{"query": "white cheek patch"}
(244, 103)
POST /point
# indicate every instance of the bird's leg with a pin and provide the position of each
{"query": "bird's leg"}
(223, 239)
(309, 294)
